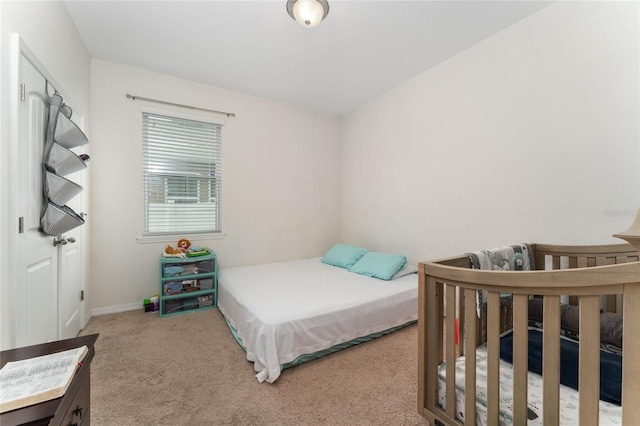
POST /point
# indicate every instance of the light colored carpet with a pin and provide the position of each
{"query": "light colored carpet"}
(188, 370)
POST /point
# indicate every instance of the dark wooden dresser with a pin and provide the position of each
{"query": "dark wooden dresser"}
(71, 409)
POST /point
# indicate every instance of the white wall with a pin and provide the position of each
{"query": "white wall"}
(531, 135)
(280, 181)
(47, 30)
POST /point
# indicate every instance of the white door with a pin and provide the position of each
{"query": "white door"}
(71, 270)
(50, 277)
(71, 267)
(37, 258)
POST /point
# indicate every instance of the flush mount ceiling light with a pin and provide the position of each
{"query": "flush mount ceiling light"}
(308, 13)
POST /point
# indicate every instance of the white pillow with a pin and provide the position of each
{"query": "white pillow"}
(408, 269)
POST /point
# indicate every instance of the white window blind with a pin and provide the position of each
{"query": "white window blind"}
(181, 175)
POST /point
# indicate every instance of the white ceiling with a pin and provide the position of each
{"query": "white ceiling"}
(361, 50)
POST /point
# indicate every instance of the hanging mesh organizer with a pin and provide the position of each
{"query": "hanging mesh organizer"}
(67, 133)
(59, 189)
(63, 162)
(59, 219)
(62, 134)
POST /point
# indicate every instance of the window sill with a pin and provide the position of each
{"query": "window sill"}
(175, 238)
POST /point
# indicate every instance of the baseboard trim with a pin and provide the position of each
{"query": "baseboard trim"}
(115, 309)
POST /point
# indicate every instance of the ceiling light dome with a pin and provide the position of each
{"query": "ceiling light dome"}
(308, 13)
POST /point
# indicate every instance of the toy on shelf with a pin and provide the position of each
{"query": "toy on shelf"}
(184, 244)
(173, 252)
(197, 251)
(185, 249)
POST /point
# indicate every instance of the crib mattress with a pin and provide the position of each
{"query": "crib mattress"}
(610, 414)
(283, 310)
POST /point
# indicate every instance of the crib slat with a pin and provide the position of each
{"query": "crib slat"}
(470, 358)
(551, 357)
(451, 351)
(440, 315)
(582, 262)
(432, 354)
(461, 316)
(573, 262)
(631, 364)
(493, 358)
(520, 357)
(589, 359)
(422, 337)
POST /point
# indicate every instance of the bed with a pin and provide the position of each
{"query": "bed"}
(286, 313)
(460, 345)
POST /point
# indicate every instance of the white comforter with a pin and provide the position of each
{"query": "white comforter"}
(286, 309)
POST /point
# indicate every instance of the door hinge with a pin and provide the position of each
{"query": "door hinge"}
(81, 295)
(22, 92)
(21, 225)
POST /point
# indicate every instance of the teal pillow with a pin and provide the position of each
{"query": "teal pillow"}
(379, 265)
(343, 255)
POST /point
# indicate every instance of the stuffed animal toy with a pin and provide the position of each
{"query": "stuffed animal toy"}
(184, 244)
(173, 252)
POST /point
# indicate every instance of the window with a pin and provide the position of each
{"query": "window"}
(181, 175)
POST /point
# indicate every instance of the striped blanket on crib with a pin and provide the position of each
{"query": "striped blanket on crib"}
(517, 257)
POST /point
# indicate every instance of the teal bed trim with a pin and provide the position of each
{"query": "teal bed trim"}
(309, 357)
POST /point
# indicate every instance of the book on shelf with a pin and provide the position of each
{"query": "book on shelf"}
(197, 251)
(35, 380)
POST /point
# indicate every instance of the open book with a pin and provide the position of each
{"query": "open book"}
(38, 379)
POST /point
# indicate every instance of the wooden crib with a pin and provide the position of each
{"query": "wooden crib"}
(589, 275)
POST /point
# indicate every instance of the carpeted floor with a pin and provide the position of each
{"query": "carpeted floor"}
(188, 370)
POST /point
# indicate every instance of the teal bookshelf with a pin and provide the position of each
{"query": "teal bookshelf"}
(188, 284)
